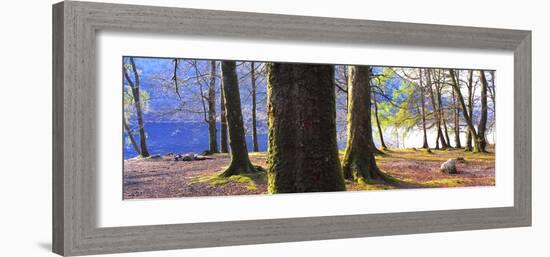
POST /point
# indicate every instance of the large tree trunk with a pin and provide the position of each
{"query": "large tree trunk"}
(464, 110)
(212, 131)
(223, 123)
(254, 129)
(423, 109)
(240, 163)
(483, 115)
(380, 132)
(136, 93)
(302, 150)
(359, 162)
(131, 136)
(470, 109)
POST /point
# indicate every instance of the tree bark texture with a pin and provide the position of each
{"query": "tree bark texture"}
(212, 130)
(359, 162)
(483, 115)
(224, 148)
(240, 163)
(302, 150)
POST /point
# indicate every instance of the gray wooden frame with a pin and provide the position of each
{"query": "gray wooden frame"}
(74, 130)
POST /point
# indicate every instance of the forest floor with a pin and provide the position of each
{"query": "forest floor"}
(411, 168)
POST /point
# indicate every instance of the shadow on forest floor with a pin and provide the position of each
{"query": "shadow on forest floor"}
(409, 168)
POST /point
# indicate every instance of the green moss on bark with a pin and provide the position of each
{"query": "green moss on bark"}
(302, 150)
(359, 163)
(240, 163)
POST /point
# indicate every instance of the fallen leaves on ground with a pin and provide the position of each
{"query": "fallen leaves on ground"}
(411, 168)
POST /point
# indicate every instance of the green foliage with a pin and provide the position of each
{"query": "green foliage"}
(128, 102)
(400, 109)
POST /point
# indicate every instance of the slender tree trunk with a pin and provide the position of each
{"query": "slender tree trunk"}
(445, 143)
(492, 92)
(435, 112)
(456, 122)
(447, 138)
(359, 163)
(240, 163)
(423, 109)
(375, 150)
(254, 129)
(302, 150)
(131, 136)
(483, 116)
(380, 132)
(470, 109)
(464, 112)
(223, 123)
(136, 93)
(212, 130)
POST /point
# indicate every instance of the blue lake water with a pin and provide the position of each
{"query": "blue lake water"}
(181, 137)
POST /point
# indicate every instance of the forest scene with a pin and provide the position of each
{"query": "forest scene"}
(193, 127)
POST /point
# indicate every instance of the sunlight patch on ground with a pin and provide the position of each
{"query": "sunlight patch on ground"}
(245, 180)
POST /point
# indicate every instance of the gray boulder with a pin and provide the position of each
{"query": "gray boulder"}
(449, 166)
(154, 156)
(188, 157)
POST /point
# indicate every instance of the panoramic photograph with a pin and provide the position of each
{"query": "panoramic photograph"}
(196, 127)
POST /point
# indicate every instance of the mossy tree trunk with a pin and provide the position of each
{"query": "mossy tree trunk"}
(240, 163)
(212, 130)
(467, 116)
(136, 93)
(224, 148)
(483, 115)
(359, 162)
(302, 150)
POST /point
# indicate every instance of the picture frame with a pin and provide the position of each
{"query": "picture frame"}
(75, 25)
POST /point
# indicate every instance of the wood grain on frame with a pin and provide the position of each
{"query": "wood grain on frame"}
(74, 131)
